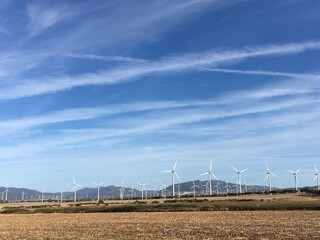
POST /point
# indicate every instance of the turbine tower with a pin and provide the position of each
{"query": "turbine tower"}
(121, 189)
(239, 177)
(75, 185)
(210, 174)
(194, 186)
(132, 192)
(142, 185)
(22, 196)
(227, 187)
(98, 188)
(295, 177)
(174, 173)
(163, 188)
(6, 191)
(316, 177)
(61, 196)
(269, 174)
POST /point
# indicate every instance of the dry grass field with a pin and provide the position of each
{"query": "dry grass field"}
(182, 225)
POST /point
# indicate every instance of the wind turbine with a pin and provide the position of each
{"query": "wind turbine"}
(142, 185)
(217, 187)
(316, 177)
(210, 174)
(121, 189)
(22, 196)
(269, 174)
(41, 196)
(2, 194)
(75, 185)
(194, 186)
(163, 187)
(227, 186)
(295, 177)
(207, 187)
(174, 173)
(132, 192)
(239, 177)
(6, 191)
(98, 188)
(61, 196)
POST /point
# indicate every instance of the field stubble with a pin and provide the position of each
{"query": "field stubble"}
(169, 225)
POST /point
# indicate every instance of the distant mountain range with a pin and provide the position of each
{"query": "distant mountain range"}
(113, 192)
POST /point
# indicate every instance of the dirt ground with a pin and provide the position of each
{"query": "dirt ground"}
(174, 225)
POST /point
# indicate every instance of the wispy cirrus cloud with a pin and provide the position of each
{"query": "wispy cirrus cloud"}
(44, 17)
(171, 64)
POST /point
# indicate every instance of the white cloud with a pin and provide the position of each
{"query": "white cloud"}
(181, 63)
(42, 18)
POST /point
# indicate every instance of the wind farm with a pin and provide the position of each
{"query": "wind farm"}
(185, 119)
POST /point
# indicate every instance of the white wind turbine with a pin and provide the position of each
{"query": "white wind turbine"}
(194, 186)
(239, 177)
(295, 177)
(61, 196)
(217, 187)
(6, 191)
(227, 186)
(22, 196)
(132, 192)
(210, 174)
(74, 188)
(98, 188)
(163, 188)
(142, 185)
(207, 187)
(121, 189)
(41, 196)
(174, 173)
(269, 174)
(316, 177)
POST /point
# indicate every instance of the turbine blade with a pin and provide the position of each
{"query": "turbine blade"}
(290, 171)
(315, 177)
(243, 170)
(266, 177)
(210, 166)
(175, 173)
(214, 176)
(273, 174)
(298, 170)
(234, 168)
(315, 168)
(74, 182)
(174, 167)
(206, 173)
(167, 171)
(267, 167)
(95, 183)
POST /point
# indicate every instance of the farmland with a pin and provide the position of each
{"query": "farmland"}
(172, 225)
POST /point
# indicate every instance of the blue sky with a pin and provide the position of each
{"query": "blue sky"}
(112, 90)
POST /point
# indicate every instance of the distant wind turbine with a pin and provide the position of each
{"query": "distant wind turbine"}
(239, 177)
(210, 174)
(163, 188)
(194, 186)
(142, 185)
(316, 177)
(22, 196)
(74, 188)
(6, 191)
(132, 192)
(121, 189)
(98, 188)
(295, 177)
(61, 196)
(227, 186)
(269, 174)
(174, 173)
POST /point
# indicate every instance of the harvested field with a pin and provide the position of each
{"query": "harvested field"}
(173, 225)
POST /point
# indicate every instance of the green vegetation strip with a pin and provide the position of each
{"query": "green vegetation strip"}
(170, 206)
